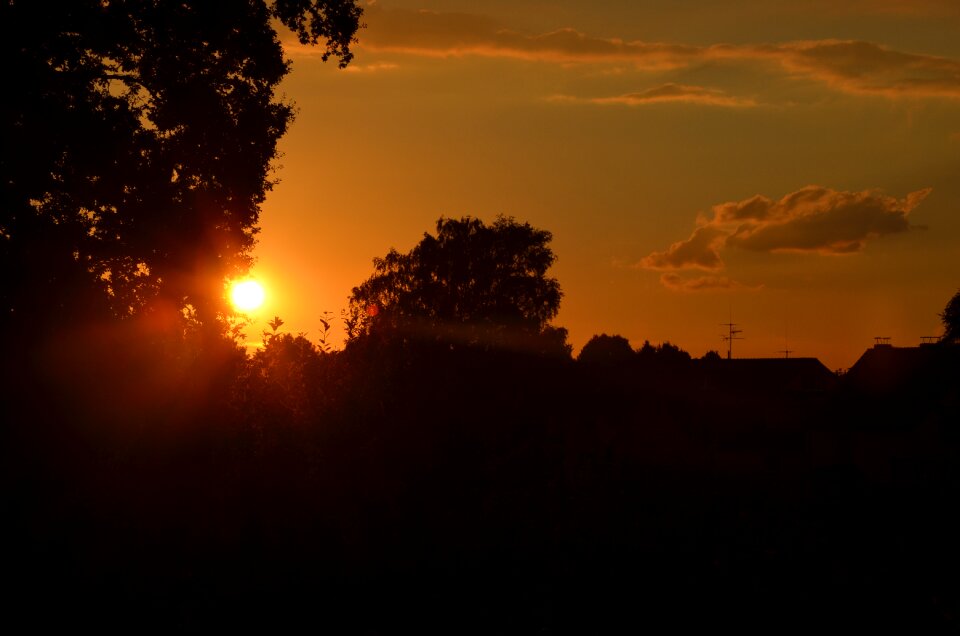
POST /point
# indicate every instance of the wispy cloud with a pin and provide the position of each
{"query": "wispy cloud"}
(456, 34)
(868, 68)
(813, 219)
(919, 8)
(375, 67)
(668, 93)
(676, 282)
(849, 66)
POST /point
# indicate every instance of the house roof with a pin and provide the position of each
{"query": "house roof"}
(885, 367)
(794, 374)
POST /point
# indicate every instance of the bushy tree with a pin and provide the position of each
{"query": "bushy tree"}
(282, 379)
(604, 349)
(662, 355)
(472, 283)
(951, 320)
(711, 357)
(138, 137)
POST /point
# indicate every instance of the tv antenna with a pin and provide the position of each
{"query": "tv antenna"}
(882, 340)
(786, 351)
(731, 335)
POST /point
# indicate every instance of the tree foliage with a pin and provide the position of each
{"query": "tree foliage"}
(471, 283)
(662, 355)
(137, 145)
(711, 357)
(282, 379)
(606, 350)
(951, 319)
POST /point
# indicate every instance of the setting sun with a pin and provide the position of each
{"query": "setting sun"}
(247, 295)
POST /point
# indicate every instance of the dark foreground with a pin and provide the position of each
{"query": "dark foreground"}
(481, 493)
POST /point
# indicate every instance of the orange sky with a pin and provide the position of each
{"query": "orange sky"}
(794, 163)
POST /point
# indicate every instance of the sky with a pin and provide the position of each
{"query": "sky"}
(792, 166)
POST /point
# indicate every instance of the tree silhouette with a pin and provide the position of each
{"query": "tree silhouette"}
(604, 349)
(472, 284)
(137, 143)
(663, 355)
(281, 378)
(712, 357)
(951, 319)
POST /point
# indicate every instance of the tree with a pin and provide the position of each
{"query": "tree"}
(471, 284)
(282, 378)
(951, 320)
(711, 357)
(663, 355)
(606, 350)
(138, 137)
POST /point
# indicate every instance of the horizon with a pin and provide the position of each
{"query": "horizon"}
(251, 345)
(637, 135)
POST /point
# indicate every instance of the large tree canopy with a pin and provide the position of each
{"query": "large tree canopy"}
(137, 139)
(471, 283)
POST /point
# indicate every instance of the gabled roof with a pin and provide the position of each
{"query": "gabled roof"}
(884, 367)
(772, 374)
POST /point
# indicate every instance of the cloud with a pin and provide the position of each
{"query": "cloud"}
(919, 8)
(700, 251)
(813, 219)
(674, 281)
(670, 93)
(868, 68)
(443, 34)
(375, 67)
(845, 65)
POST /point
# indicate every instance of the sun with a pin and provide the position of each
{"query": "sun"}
(247, 295)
